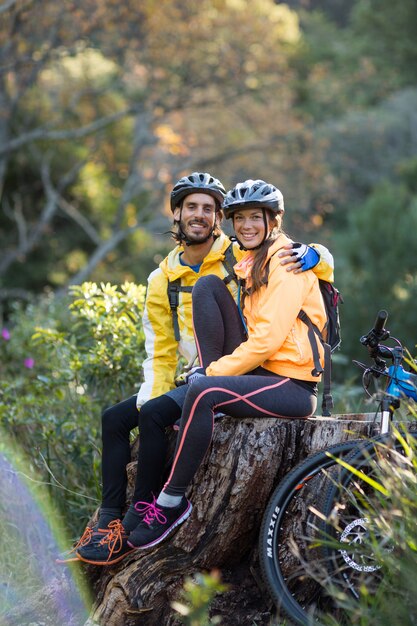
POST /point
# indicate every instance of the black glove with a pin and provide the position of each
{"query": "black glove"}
(194, 373)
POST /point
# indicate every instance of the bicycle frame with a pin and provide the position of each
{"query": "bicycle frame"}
(402, 384)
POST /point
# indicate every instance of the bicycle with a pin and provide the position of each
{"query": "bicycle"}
(302, 555)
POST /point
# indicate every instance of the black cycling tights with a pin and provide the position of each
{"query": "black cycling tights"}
(252, 395)
(117, 422)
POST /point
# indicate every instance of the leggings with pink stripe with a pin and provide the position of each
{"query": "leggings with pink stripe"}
(257, 394)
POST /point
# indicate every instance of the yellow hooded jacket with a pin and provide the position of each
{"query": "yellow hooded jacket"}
(162, 349)
(277, 338)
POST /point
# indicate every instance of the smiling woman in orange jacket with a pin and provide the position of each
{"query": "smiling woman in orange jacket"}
(256, 359)
(277, 339)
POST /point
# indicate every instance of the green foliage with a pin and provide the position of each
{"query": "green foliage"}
(355, 62)
(85, 354)
(391, 510)
(326, 68)
(364, 149)
(197, 597)
(105, 348)
(377, 268)
(386, 34)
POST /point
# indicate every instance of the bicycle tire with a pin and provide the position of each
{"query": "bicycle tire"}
(350, 503)
(295, 595)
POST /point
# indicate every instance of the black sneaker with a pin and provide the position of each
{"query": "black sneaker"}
(112, 548)
(90, 535)
(158, 523)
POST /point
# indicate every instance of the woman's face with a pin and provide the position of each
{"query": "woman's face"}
(249, 226)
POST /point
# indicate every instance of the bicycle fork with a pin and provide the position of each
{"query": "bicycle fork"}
(389, 405)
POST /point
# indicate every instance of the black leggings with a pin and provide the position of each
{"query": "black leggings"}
(215, 317)
(117, 422)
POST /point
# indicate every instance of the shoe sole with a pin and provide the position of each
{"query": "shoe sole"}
(109, 561)
(97, 536)
(179, 521)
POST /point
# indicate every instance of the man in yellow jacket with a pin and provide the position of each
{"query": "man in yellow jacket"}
(202, 249)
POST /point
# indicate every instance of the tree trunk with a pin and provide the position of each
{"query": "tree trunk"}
(246, 459)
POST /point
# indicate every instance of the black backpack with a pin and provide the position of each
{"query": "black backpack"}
(175, 287)
(332, 298)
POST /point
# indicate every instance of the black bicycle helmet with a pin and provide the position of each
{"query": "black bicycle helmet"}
(197, 182)
(253, 193)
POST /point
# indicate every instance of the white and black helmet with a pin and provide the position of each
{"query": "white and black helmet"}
(253, 193)
(197, 182)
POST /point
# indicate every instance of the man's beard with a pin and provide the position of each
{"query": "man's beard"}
(197, 236)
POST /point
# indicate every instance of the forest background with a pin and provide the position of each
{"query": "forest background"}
(104, 105)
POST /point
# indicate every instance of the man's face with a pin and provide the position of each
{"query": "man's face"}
(197, 216)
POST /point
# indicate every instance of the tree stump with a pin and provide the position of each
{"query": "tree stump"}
(246, 459)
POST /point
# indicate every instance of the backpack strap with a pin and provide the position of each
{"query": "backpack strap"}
(228, 262)
(174, 288)
(327, 398)
(314, 334)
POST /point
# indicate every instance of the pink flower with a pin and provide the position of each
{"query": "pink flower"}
(5, 334)
(29, 363)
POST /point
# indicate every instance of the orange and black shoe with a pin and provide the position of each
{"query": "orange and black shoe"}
(112, 548)
(91, 534)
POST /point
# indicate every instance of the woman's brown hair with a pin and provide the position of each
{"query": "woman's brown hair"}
(258, 277)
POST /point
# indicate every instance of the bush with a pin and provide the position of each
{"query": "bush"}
(62, 362)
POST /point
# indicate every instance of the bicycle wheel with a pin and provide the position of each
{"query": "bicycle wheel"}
(350, 506)
(290, 555)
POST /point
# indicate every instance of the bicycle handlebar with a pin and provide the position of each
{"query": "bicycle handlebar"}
(400, 382)
(380, 321)
(376, 334)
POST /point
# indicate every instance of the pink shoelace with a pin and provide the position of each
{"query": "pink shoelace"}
(150, 512)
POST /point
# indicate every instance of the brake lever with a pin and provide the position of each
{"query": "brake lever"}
(378, 370)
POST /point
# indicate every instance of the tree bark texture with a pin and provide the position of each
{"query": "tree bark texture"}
(246, 460)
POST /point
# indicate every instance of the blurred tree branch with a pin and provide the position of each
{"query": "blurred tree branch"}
(47, 134)
(103, 105)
